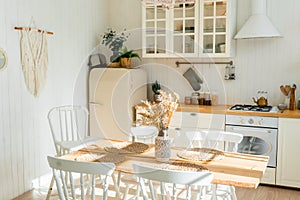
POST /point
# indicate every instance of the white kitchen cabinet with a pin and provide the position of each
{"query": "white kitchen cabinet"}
(217, 27)
(112, 95)
(155, 26)
(269, 176)
(197, 120)
(190, 121)
(204, 28)
(288, 162)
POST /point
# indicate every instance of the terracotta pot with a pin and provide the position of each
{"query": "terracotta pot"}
(125, 62)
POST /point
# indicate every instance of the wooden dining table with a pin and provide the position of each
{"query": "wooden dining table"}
(234, 169)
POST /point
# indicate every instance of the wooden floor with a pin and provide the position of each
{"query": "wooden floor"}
(261, 193)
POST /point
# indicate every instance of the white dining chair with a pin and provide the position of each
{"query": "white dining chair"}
(139, 134)
(215, 139)
(83, 171)
(69, 129)
(143, 133)
(169, 181)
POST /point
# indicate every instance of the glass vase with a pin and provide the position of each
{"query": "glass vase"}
(163, 146)
(114, 56)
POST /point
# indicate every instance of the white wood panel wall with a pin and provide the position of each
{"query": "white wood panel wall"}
(25, 138)
(261, 64)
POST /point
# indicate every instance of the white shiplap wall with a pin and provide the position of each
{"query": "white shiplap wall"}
(25, 138)
(261, 64)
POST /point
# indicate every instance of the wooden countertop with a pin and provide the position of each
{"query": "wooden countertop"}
(224, 109)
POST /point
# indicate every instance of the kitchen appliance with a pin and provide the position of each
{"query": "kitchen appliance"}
(255, 108)
(260, 133)
(258, 24)
(262, 101)
(112, 95)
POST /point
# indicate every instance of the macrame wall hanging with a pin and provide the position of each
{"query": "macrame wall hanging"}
(34, 57)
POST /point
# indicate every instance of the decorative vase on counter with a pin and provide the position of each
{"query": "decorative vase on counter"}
(114, 56)
(163, 146)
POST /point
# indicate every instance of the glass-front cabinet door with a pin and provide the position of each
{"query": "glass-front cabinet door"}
(155, 30)
(185, 32)
(213, 27)
(193, 29)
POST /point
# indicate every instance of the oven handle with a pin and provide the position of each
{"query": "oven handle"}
(242, 129)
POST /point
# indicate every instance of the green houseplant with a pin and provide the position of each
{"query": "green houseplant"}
(125, 57)
(114, 41)
(156, 89)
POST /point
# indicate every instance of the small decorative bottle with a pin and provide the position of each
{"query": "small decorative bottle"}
(163, 146)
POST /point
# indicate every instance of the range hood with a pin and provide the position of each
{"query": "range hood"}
(258, 25)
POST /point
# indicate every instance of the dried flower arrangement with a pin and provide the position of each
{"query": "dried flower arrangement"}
(158, 114)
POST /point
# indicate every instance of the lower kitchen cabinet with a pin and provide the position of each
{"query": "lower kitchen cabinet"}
(191, 120)
(269, 176)
(188, 121)
(288, 162)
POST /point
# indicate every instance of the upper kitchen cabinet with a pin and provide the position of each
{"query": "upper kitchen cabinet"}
(155, 25)
(170, 31)
(217, 26)
(201, 29)
(184, 34)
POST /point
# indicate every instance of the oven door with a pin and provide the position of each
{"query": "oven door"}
(257, 141)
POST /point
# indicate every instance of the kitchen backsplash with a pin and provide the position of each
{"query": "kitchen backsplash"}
(241, 90)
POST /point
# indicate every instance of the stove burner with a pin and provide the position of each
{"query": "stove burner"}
(251, 108)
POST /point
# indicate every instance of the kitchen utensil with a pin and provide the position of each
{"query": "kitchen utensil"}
(193, 78)
(262, 101)
(287, 89)
(282, 89)
(292, 98)
(282, 106)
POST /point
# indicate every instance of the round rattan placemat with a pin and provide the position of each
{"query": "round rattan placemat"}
(201, 154)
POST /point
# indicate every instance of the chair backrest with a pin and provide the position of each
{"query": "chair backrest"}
(172, 177)
(144, 133)
(227, 141)
(68, 123)
(76, 169)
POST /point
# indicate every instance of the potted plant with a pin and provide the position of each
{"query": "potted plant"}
(125, 57)
(114, 42)
(156, 89)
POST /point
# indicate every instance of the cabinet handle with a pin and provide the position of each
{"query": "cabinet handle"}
(193, 114)
(177, 129)
(96, 104)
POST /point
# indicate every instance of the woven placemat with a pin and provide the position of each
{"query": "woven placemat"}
(201, 154)
(111, 157)
(177, 165)
(135, 147)
(115, 150)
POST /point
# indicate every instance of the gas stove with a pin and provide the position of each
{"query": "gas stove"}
(255, 108)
